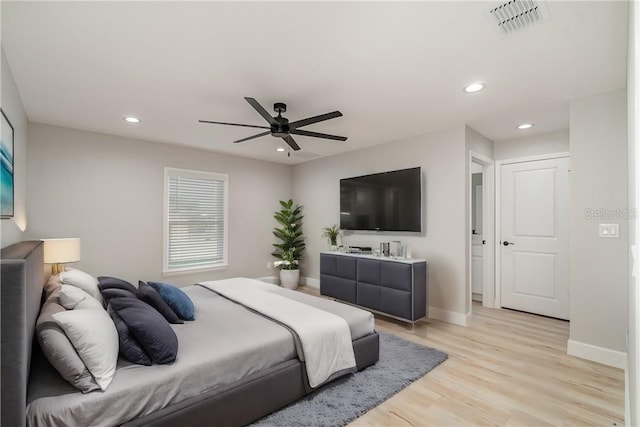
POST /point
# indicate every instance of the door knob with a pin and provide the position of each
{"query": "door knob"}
(507, 243)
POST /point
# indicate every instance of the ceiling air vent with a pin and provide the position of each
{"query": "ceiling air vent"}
(516, 15)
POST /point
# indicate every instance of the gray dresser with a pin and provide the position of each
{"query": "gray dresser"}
(397, 288)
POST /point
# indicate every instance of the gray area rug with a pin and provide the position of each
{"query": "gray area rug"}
(342, 401)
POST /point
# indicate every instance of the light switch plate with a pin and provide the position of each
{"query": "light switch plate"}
(609, 231)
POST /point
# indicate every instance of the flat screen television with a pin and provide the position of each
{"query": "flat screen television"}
(387, 201)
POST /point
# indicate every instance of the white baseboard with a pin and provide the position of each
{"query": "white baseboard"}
(310, 282)
(453, 317)
(617, 359)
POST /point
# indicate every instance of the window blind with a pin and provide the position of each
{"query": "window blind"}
(196, 220)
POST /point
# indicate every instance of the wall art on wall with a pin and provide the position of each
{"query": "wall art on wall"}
(6, 169)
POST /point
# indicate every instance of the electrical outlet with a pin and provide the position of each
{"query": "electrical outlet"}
(269, 266)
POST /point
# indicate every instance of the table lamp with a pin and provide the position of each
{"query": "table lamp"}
(59, 251)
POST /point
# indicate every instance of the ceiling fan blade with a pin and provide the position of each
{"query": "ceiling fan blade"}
(234, 124)
(317, 135)
(316, 119)
(254, 136)
(291, 142)
(261, 110)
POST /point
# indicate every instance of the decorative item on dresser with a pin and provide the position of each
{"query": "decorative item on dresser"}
(289, 249)
(393, 287)
(59, 251)
(332, 234)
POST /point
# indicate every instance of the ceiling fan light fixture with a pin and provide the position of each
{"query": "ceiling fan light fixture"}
(131, 119)
(525, 126)
(474, 87)
(281, 127)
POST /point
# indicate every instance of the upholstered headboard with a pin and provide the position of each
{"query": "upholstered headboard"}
(22, 280)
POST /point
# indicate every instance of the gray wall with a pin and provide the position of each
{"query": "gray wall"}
(534, 145)
(598, 267)
(442, 158)
(12, 229)
(108, 191)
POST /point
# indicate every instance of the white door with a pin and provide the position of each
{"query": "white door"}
(534, 237)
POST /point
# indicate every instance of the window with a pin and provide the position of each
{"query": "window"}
(195, 220)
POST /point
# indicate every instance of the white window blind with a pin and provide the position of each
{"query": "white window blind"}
(196, 220)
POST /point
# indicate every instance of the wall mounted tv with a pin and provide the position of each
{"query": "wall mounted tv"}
(387, 201)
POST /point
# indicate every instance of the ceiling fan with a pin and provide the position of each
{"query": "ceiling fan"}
(280, 127)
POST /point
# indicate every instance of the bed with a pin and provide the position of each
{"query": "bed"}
(218, 378)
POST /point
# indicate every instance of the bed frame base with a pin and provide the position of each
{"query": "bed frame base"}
(251, 398)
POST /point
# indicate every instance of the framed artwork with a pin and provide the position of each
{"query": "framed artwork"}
(6, 168)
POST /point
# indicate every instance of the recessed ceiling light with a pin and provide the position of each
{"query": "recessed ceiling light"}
(525, 126)
(280, 149)
(474, 87)
(131, 119)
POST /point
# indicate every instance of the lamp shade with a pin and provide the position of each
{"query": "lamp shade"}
(58, 251)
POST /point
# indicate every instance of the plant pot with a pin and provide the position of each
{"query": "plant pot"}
(334, 248)
(289, 278)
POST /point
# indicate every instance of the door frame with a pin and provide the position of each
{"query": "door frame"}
(488, 224)
(498, 189)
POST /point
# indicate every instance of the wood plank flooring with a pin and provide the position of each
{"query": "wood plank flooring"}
(506, 368)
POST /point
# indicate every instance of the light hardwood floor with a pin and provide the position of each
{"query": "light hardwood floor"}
(506, 368)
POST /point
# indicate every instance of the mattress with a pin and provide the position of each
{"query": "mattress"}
(214, 351)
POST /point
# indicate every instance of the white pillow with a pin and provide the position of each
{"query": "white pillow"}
(95, 338)
(82, 280)
(72, 298)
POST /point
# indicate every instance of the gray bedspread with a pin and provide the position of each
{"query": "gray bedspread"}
(226, 343)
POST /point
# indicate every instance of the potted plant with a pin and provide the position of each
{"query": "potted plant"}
(332, 234)
(291, 242)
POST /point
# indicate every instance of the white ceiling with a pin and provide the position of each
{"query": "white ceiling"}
(395, 70)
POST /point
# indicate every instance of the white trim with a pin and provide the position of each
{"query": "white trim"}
(498, 189)
(606, 356)
(190, 270)
(190, 173)
(310, 282)
(453, 317)
(488, 224)
(533, 158)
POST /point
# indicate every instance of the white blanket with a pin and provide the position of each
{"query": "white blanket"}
(324, 337)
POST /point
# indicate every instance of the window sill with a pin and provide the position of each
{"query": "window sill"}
(190, 270)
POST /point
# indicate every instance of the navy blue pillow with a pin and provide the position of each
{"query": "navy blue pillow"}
(130, 348)
(177, 300)
(150, 329)
(109, 293)
(149, 295)
(106, 282)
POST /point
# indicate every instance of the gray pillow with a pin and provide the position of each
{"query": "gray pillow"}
(58, 349)
(52, 286)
